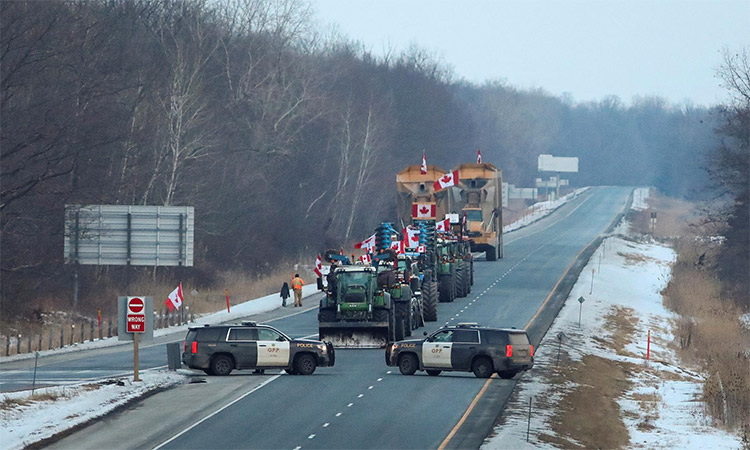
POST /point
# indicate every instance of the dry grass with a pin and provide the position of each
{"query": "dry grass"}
(9, 404)
(622, 324)
(709, 333)
(588, 415)
(672, 216)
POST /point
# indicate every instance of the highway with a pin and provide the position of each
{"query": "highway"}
(362, 403)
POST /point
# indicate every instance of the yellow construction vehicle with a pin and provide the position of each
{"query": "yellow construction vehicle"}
(480, 186)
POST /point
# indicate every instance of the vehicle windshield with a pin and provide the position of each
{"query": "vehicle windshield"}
(473, 215)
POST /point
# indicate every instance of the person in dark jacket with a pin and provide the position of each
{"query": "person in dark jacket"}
(284, 293)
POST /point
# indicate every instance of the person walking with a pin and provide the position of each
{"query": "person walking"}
(297, 284)
(284, 294)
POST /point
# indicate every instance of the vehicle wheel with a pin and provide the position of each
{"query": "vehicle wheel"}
(222, 365)
(491, 254)
(326, 315)
(471, 270)
(304, 364)
(380, 315)
(482, 367)
(433, 372)
(430, 300)
(446, 288)
(291, 371)
(460, 292)
(399, 327)
(208, 371)
(506, 374)
(408, 364)
(454, 283)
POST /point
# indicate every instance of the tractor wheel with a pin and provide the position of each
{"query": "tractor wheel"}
(471, 267)
(399, 327)
(326, 315)
(446, 288)
(460, 282)
(380, 315)
(430, 301)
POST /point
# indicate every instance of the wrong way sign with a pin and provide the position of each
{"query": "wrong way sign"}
(135, 315)
(136, 320)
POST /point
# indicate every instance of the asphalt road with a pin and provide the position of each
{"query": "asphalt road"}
(361, 403)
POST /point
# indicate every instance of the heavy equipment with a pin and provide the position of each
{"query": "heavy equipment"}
(480, 188)
(356, 312)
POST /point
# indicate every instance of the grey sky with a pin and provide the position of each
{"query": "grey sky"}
(589, 49)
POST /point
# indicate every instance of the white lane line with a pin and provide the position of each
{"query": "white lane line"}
(349, 405)
(216, 412)
(360, 395)
(380, 379)
(338, 414)
(297, 447)
(389, 372)
(312, 436)
(325, 425)
(370, 387)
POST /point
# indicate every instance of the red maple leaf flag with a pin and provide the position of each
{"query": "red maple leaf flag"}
(398, 246)
(411, 234)
(447, 180)
(368, 243)
(319, 267)
(367, 259)
(421, 249)
(443, 225)
(479, 156)
(423, 210)
(423, 169)
(174, 299)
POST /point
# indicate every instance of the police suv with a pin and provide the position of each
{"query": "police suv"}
(465, 347)
(219, 349)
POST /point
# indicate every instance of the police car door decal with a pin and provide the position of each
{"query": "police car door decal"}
(273, 353)
(436, 354)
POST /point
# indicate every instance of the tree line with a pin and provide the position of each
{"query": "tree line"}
(286, 140)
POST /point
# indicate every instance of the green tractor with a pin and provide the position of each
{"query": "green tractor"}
(405, 293)
(356, 312)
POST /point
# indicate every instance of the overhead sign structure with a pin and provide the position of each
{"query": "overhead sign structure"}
(549, 163)
(136, 235)
(136, 317)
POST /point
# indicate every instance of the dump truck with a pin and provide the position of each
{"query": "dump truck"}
(480, 187)
(356, 312)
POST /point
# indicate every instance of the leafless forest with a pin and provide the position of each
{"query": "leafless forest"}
(287, 140)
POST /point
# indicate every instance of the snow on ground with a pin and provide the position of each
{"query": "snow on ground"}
(68, 406)
(628, 279)
(24, 422)
(640, 199)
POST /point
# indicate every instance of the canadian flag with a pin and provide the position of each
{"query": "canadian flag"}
(443, 225)
(479, 156)
(423, 169)
(398, 246)
(421, 249)
(367, 259)
(367, 244)
(411, 234)
(318, 267)
(174, 299)
(423, 210)
(447, 180)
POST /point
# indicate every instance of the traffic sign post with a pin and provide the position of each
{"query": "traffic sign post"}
(135, 322)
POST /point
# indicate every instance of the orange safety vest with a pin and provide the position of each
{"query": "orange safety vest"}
(297, 283)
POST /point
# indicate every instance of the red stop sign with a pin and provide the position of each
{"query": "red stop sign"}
(135, 305)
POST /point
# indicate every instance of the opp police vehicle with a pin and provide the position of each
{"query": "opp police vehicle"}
(219, 349)
(465, 347)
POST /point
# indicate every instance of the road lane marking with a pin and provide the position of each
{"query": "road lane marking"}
(360, 395)
(466, 414)
(325, 425)
(311, 436)
(349, 405)
(380, 379)
(216, 412)
(338, 414)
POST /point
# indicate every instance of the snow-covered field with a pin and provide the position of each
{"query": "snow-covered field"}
(661, 409)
